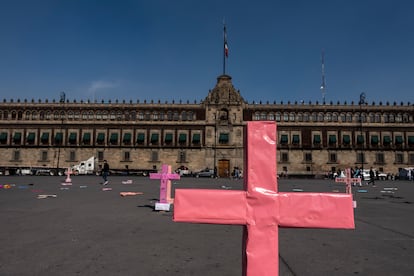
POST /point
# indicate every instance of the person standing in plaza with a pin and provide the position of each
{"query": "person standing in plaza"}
(105, 172)
(371, 177)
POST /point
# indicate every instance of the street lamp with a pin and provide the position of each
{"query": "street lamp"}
(362, 102)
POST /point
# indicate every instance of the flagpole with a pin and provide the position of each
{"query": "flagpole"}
(225, 48)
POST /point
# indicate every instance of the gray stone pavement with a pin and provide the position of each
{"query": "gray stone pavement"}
(87, 231)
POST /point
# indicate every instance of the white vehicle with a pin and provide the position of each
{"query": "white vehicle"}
(85, 167)
(381, 175)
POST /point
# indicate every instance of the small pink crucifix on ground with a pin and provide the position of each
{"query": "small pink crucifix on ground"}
(68, 180)
(348, 180)
(260, 208)
(165, 187)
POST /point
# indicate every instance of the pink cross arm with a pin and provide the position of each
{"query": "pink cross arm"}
(210, 206)
(316, 210)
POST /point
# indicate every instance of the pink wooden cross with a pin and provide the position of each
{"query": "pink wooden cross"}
(165, 186)
(260, 208)
(348, 180)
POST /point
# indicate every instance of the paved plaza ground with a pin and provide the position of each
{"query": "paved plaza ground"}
(87, 231)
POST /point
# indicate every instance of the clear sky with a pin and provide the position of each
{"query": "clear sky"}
(165, 50)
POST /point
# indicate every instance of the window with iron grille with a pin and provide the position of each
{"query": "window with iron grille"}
(284, 157)
(399, 158)
(72, 155)
(43, 155)
(332, 157)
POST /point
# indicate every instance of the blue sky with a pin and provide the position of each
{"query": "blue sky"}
(165, 50)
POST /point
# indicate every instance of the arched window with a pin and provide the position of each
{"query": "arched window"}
(26, 115)
(320, 117)
(271, 117)
(140, 116)
(183, 116)
(263, 116)
(256, 116)
(292, 117)
(277, 117)
(190, 115)
(285, 117)
(176, 116)
(56, 115)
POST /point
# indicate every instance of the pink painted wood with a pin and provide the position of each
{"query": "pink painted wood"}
(260, 208)
(348, 180)
(165, 186)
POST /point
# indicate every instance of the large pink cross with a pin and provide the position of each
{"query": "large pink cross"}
(165, 186)
(348, 180)
(260, 208)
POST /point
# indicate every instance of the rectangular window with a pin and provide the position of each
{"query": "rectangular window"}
(127, 156)
(295, 140)
(332, 140)
(224, 138)
(196, 138)
(16, 155)
(346, 140)
(100, 155)
(182, 138)
(379, 158)
(17, 138)
(399, 140)
(399, 158)
(100, 139)
(360, 140)
(360, 158)
(154, 138)
(332, 157)
(31, 138)
(284, 139)
(141, 138)
(374, 140)
(411, 159)
(113, 140)
(72, 138)
(43, 155)
(72, 156)
(284, 157)
(316, 139)
(308, 157)
(182, 157)
(45, 138)
(410, 141)
(154, 156)
(86, 138)
(386, 140)
(168, 138)
(127, 138)
(58, 138)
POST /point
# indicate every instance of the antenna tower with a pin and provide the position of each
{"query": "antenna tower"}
(323, 85)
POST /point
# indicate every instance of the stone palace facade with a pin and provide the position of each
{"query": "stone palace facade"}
(313, 138)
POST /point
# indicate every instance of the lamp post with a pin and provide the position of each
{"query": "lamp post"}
(215, 145)
(62, 101)
(362, 102)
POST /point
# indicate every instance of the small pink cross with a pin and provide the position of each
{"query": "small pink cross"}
(165, 186)
(348, 180)
(260, 208)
